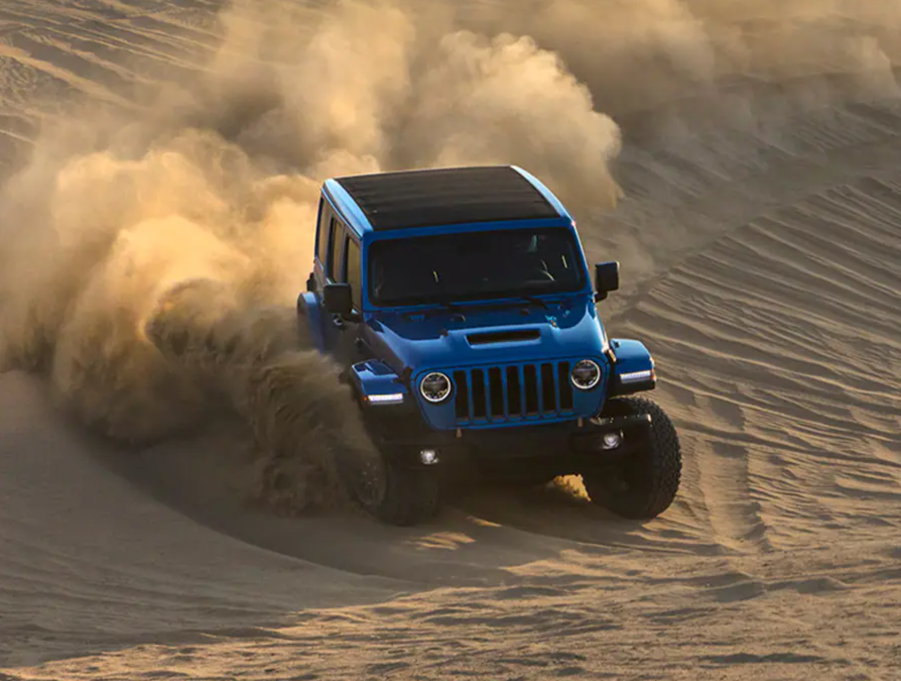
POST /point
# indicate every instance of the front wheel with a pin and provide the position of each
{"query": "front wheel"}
(645, 484)
(397, 494)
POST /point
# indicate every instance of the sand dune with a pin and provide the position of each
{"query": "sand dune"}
(759, 236)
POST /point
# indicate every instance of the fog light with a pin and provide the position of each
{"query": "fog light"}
(428, 457)
(612, 440)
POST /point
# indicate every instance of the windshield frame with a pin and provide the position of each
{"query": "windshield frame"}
(584, 287)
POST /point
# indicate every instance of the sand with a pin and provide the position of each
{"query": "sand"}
(758, 231)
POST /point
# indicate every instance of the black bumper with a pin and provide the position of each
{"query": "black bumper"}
(563, 447)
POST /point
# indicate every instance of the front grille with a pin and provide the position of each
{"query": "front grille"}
(514, 392)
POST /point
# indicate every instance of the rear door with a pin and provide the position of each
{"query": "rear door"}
(325, 228)
(341, 263)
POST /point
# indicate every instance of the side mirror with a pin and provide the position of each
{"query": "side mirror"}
(338, 299)
(606, 278)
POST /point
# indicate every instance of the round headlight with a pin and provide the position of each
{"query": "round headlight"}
(435, 387)
(586, 374)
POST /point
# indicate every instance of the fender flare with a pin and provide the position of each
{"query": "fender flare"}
(373, 377)
(633, 371)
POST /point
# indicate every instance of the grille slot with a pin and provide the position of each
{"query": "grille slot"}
(548, 389)
(496, 392)
(531, 383)
(512, 393)
(477, 382)
(565, 387)
(461, 399)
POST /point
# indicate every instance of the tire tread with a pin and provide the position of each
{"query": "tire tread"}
(665, 462)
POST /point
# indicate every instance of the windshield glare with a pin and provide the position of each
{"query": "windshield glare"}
(474, 266)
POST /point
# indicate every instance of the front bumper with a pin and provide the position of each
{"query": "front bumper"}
(563, 447)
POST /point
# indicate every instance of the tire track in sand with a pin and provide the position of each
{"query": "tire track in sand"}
(783, 331)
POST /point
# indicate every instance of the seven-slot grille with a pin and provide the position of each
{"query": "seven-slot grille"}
(512, 392)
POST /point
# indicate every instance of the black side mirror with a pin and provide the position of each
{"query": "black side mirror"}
(606, 278)
(338, 299)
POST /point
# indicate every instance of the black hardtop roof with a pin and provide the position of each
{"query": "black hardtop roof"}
(446, 196)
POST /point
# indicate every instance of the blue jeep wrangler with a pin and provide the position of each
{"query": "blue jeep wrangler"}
(460, 301)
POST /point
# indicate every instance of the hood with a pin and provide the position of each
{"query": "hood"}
(479, 335)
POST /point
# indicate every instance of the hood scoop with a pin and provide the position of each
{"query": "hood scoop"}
(493, 337)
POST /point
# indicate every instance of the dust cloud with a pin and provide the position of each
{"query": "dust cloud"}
(152, 256)
(732, 58)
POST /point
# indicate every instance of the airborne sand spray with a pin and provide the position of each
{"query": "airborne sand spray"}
(150, 261)
(299, 412)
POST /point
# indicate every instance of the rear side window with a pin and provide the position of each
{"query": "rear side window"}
(353, 270)
(323, 225)
(334, 244)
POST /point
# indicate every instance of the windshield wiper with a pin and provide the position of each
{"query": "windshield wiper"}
(445, 306)
(458, 307)
(534, 301)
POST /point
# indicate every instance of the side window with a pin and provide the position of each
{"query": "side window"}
(334, 240)
(353, 273)
(322, 232)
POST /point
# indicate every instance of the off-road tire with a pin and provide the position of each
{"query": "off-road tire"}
(645, 484)
(404, 495)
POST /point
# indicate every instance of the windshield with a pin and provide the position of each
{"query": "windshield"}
(474, 265)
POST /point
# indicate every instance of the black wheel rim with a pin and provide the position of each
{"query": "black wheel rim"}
(369, 484)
